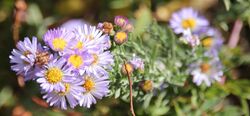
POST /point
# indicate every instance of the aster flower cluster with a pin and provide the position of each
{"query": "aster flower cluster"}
(71, 68)
(195, 30)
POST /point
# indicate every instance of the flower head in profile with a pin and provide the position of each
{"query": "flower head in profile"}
(190, 39)
(53, 75)
(102, 61)
(206, 71)
(58, 39)
(137, 63)
(212, 41)
(24, 57)
(69, 96)
(95, 88)
(187, 18)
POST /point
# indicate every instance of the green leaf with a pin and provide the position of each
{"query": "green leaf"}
(227, 4)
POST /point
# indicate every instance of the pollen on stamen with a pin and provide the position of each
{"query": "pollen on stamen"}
(189, 23)
(59, 44)
(89, 84)
(54, 75)
(75, 60)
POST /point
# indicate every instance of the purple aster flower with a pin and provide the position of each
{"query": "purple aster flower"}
(212, 41)
(24, 57)
(96, 88)
(121, 21)
(53, 75)
(58, 39)
(71, 95)
(206, 71)
(190, 39)
(101, 62)
(137, 63)
(91, 38)
(73, 23)
(187, 18)
(78, 60)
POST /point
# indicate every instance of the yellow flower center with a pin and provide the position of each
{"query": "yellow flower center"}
(59, 44)
(67, 87)
(89, 84)
(207, 42)
(75, 60)
(120, 37)
(54, 75)
(95, 61)
(79, 45)
(189, 23)
(205, 67)
(89, 37)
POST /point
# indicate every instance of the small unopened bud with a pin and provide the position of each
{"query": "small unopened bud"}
(127, 68)
(129, 27)
(121, 21)
(147, 85)
(120, 37)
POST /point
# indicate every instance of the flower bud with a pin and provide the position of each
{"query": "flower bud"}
(106, 27)
(147, 85)
(121, 21)
(120, 37)
(127, 68)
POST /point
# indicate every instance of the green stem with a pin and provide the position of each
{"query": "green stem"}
(245, 107)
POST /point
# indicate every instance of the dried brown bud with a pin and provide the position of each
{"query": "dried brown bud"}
(107, 27)
(42, 58)
(127, 68)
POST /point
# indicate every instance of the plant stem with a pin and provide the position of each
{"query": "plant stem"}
(235, 35)
(130, 91)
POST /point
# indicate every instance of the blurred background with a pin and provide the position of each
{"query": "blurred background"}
(21, 18)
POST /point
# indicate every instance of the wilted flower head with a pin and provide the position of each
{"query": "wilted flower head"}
(187, 18)
(106, 27)
(25, 57)
(206, 71)
(127, 69)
